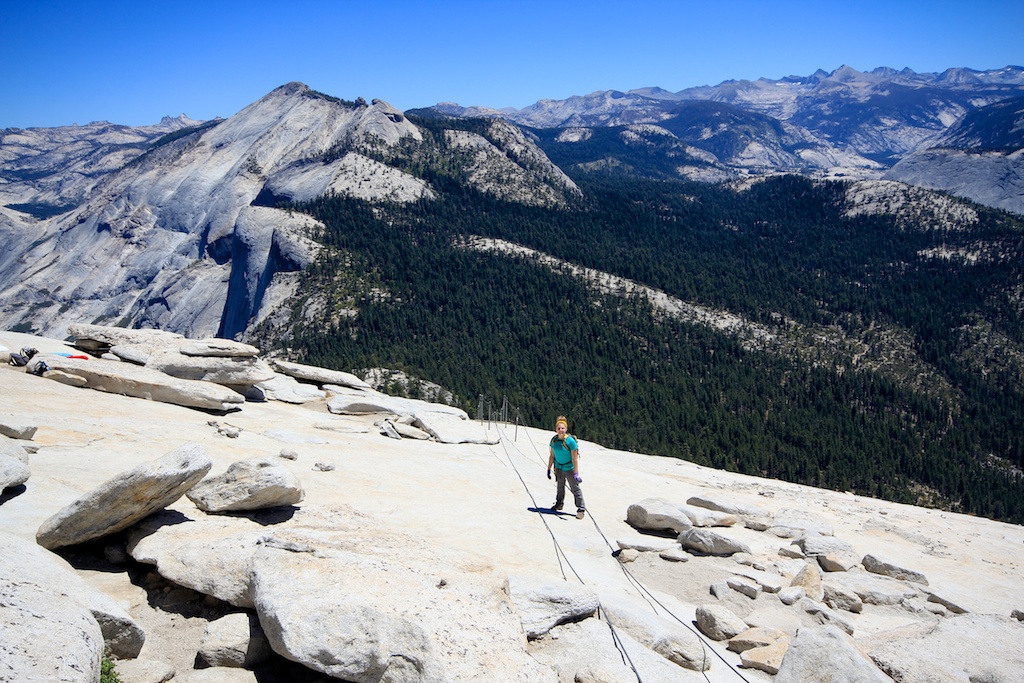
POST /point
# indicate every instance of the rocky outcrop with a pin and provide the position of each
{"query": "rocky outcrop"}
(126, 499)
(131, 380)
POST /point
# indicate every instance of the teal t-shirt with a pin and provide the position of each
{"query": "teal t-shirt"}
(563, 452)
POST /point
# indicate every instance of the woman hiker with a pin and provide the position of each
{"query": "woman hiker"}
(564, 456)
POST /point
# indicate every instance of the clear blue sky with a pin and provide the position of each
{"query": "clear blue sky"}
(133, 62)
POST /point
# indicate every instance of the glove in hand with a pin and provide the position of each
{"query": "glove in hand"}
(578, 478)
(549, 474)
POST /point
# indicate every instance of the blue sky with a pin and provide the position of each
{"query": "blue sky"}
(134, 62)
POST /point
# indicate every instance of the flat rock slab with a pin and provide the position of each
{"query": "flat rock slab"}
(127, 498)
(229, 370)
(543, 605)
(101, 338)
(140, 382)
(317, 375)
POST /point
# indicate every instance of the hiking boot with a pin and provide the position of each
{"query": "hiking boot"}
(580, 514)
(556, 507)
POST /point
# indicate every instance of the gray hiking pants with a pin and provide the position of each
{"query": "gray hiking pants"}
(561, 479)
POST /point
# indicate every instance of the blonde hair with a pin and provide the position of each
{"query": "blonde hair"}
(561, 419)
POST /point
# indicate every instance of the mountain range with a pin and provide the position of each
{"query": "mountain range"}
(776, 277)
(189, 190)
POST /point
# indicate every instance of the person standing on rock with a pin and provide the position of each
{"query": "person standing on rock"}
(564, 457)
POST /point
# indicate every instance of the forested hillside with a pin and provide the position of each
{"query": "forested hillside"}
(933, 419)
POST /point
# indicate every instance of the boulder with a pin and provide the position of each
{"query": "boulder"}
(449, 427)
(13, 429)
(752, 516)
(235, 640)
(767, 658)
(877, 566)
(224, 370)
(824, 654)
(223, 348)
(675, 554)
(744, 586)
(347, 597)
(99, 339)
(13, 471)
(24, 560)
(718, 622)
(210, 555)
(543, 605)
(759, 636)
(703, 517)
(251, 484)
(45, 637)
(317, 375)
(711, 543)
(442, 422)
(132, 380)
(838, 597)
(824, 615)
(815, 544)
(837, 562)
(791, 595)
(407, 431)
(874, 589)
(364, 605)
(809, 579)
(647, 544)
(290, 390)
(766, 581)
(670, 639)
(127, 498)
(628, 555)
(14, 449)
(944, 602)
(657, 514)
